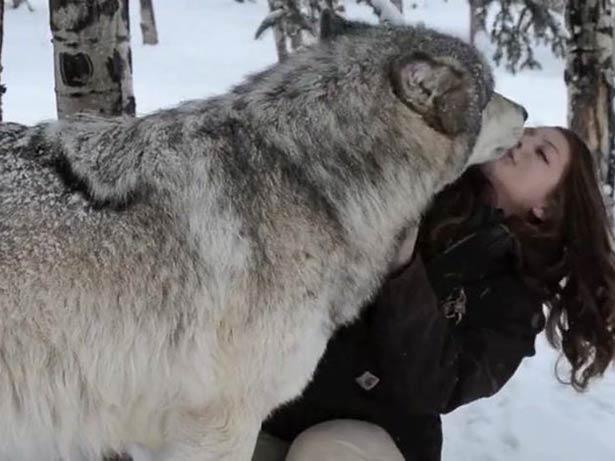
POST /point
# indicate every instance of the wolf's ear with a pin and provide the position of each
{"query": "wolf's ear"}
(434, 89)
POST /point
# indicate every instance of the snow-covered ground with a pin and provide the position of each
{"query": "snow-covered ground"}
(205, 47)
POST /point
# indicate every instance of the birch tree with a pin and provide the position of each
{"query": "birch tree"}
(2, 87)
(92, 58)
(314, 13)
(148, 23)
(295, 21)
(275, 21)
(589, 78)
(288, 19)
(478, 9)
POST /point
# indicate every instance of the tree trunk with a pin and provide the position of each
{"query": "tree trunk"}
(293, 28)
(293, 23)
(477, 21)
(148, 23)
(2, 87)
(589, 78)
(279, 33)
(92, 58)
(314, 10)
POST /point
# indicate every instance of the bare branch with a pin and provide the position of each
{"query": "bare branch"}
(386, 11)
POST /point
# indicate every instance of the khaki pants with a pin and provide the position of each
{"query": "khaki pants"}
(338, 440)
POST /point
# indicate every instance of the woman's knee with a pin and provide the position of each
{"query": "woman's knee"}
(344, 440)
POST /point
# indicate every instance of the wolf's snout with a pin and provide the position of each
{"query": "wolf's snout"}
(516, 107)
(501, 129)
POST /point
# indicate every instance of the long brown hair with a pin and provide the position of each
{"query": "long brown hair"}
(566, 258)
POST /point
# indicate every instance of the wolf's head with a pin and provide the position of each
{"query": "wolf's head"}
(445, 80)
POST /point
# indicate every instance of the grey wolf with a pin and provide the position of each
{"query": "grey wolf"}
(167, 281)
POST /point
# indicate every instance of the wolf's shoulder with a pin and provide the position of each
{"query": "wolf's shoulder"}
(11, 130)
(13, 139)
(30, 175)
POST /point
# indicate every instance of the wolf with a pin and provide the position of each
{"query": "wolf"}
(166, 281)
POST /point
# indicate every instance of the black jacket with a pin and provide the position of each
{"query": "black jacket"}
(438, 335)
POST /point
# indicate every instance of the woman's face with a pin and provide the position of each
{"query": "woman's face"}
(527, 174)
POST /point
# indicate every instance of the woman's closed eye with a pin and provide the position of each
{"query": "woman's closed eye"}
(541, 153)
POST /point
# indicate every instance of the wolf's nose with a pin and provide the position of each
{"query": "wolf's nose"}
(525, 114)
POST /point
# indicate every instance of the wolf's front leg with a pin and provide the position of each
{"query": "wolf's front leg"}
(220, 432)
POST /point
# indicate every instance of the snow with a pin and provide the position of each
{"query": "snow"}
(387, 11)
(208, 45)
(535, 418)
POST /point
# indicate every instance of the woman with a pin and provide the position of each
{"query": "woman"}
(453, 324)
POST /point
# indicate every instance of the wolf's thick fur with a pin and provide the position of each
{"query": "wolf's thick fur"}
(168, 280)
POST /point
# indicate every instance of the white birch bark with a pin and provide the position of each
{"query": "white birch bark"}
(2, 87)
(279, 33)
(294, 31)
(589, 78)
(92, 58)
(148, 23)
(477, 22)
